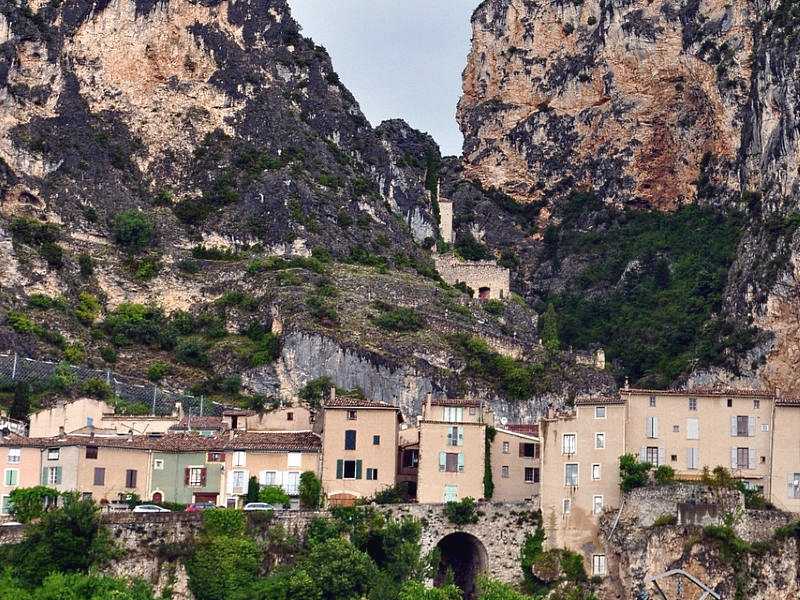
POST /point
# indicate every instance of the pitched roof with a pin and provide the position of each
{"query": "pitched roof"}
(525, 428)
(455, 402)
(716, 393)
(353, 402)
(198, 423)
(598, 400)
(788, 402)
(238, 412)
(276, 441)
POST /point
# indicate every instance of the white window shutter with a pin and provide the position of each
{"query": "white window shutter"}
(697, 458)
(655, 427)
(229, 482)
(733, 426)
(751, 426)
(692, 429)
(793, 491)
(642, 454)
(442, 461)
(450, 436)
(460, 436)
(733, 459)
(262, 477)
(752, 457)
(278, 478)
(662, 456)
(460, 461)
(648, 427)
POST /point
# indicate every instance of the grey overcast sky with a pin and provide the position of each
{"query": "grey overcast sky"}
(399, 58)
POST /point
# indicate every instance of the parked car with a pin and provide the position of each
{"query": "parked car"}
(258, 506)
(150, 508)
(199, 506)
(10, 524)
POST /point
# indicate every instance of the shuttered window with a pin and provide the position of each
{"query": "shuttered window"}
(91, 452)
(692, 429)
(571, 474)
(130, 478)
(568, 443)
(455, 436)
(794, 485)
(99, 476)
(692, 458)
(350, 439)
(651, 427)
(348, 469)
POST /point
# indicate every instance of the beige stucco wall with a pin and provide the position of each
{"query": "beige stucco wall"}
(28, 468)
(785, 457)
(70, 416)
(116, 461)
(140, 425)
(278, 420)
(433, 440)
(715, 440)
(577, 530)
(258, 462)
(513, 488)
(68, 459)
(369, 422)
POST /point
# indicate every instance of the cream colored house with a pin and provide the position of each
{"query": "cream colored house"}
(452, 450)
(20, 467)
(283, 418)
(359, 447)
(516, 464)
(785, 468)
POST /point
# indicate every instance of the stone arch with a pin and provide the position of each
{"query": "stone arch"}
(466, 556)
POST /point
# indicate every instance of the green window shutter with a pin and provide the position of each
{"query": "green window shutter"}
(460, 462)
(358, 469)
(44, 476)
(339, 469)
(460, 436)
(58, 475)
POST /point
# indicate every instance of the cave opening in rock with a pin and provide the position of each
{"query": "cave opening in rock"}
(462, 557)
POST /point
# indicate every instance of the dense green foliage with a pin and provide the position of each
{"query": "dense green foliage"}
(28, 504)
(550, 330)
(61, 586)
(650, 286)
(310, 490)
(273, 494)
(463, 512)
(488, 480)
(664, 474)
(632, 473)
(133, 230)
(398, 318)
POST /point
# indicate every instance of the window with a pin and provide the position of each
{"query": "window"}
(756, 404)
(450, 493)
(455, 436)
(90, 421)
(571, 474)
(676, 429)
(599, 565)
(52, 475)
(504, 471)
(741, 426)
(599, 441)
(566, 506)
(11, 477)
(269, 478)
(292, 486)
(350, 439)
(216, 457)
(5, 505)
(410, 458)
(506, 448)
(599, 412)
(196, 477)
(451, 462)
(652, 401)
(86, 496)
(453, 414)
(351, 469)
(528, 450)
(692, 429)
(651, 427)
(651, 455)
(794, 485)
(597, 505)
(376, 440)
(239, 458)
(294, 459)
(352, 415)
(568, 443)
(91, 452)
(52, 453)
(99, 476)
(130, 478)
(730, 403)
(595, 472)
(692, 458)
(290, 416)
(692, 403)
(239, 482)
(531, 475)
(158, 464)
(472, 410)
(742, 458)
(372, 474)
(14, 455)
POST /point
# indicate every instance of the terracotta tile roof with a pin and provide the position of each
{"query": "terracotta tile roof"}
(238, 412)
(276, 441)
(716, 393)
(199, 423)
(598, 400)
(787, 402)
(352, 402)
(455, 402)
(526, 428)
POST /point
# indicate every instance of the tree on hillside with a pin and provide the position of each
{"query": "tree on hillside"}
(550, 330)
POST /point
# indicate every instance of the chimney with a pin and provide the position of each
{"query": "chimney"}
(429, 405)
(333, 393)
(61, 433)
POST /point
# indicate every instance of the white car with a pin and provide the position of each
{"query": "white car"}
(150, 508)
(258, 506)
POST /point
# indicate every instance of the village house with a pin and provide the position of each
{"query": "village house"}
(20, 467)
(359, 447)
(784, 484)
(186, 468)
(515, 458)
(452, 449)
(408, 460)
(282, 418)
(273, 457)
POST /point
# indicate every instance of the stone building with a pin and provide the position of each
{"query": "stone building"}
(359, 447)
(515, 460)
(452, 449)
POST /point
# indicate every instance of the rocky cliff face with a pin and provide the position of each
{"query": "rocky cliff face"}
(647, 106)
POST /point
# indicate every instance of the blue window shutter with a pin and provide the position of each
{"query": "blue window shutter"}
(460, 462)
(44, 476)
(58, 475)
(339, 469)
(358, 469)
(460, 436)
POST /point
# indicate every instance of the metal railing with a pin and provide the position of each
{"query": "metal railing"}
(131, 390)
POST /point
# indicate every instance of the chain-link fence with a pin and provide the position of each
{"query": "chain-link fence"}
(131, 391)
